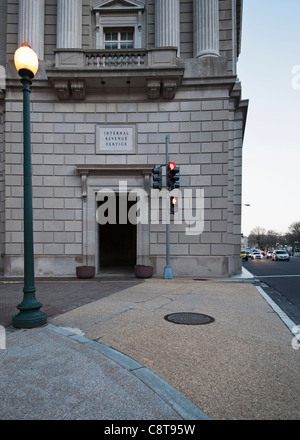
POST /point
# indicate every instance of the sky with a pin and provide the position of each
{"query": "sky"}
(269, 71)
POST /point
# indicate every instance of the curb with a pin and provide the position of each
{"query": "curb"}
(183, 406)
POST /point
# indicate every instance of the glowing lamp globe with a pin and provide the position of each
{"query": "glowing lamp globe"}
(26, 61)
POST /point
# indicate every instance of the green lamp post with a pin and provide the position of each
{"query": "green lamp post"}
(29, 315)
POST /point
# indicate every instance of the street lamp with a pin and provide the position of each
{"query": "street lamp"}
(29, 316)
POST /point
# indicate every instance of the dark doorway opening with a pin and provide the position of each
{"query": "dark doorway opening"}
(117, 242)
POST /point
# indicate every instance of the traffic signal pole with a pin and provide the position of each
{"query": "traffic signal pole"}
(172, 182)
(168, 273)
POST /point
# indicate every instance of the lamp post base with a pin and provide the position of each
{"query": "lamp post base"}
(30, 315)
(168, 273)
(29, 319)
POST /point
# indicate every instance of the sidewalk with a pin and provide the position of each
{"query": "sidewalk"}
(111, 355)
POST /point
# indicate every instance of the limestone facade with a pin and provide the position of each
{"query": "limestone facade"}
(115, 79)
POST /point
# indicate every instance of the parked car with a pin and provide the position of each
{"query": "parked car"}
(257, 256)
(280, 255)
(244, 255)
(253, 251)
(269, 254)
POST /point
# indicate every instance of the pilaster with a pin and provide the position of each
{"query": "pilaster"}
(69, 24)
(206, 28)
(167, 23)
(31, 25)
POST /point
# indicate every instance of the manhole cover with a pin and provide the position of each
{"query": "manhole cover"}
(188, 318)
(201, 279)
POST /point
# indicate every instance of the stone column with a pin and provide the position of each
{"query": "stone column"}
(167, 23)
(206, 28)
(69, 24)
(31, 25)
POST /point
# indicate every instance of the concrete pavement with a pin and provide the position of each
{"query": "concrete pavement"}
(111, 355)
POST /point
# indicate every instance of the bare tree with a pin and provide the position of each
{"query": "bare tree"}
(293, 236)
(262, 239)
(257, 237)
(273, 238)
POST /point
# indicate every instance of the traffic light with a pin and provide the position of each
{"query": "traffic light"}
(157, 178)
(172, 176)
(173, 202)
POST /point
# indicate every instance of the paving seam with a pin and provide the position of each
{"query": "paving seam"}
(183, 406)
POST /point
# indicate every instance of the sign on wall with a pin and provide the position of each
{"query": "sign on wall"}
(115, 139)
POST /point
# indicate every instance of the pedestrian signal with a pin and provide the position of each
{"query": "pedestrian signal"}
(173, 203)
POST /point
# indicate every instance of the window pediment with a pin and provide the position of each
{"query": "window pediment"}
(117, 15)
(117, 5)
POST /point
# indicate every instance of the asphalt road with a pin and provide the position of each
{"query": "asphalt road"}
(281, 281)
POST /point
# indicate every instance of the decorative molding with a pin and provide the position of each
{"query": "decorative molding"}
(78, 90)
(70, 89)
(77, 72)
(62, 90)
(84, 176)
(169, 89)
(153, 89)
(118, 170)
(166, 88)
(117, 5)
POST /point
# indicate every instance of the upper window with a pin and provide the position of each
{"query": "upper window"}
(119, 39)
(119, 24)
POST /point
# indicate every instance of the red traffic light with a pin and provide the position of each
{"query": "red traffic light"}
(172, 176)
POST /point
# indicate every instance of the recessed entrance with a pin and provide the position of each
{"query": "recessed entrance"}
(117, 237)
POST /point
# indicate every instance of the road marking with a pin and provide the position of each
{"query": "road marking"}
(287, 321)
(276, 276)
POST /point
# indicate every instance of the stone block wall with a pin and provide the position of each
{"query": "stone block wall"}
(64, 135)
(205, 125)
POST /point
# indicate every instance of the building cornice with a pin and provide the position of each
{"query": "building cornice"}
(100, 169)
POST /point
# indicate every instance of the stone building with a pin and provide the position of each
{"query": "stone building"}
(118, 82)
